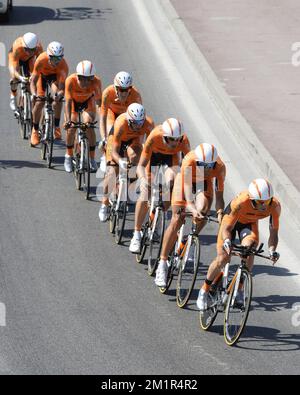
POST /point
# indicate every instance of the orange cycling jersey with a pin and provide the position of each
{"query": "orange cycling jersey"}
(110, 100)
(218, 172)
(155, 144)
(123, 133)
(90, 94)
(242, 210)
(43, 67)
(18, 54)
(198, 178)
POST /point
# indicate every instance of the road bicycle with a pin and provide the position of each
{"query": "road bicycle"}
(24, 109)
(223, 296)
(189, 262)
(119, 206)
(184, 260)
(47, 127)
(154, 228)
(81, 158)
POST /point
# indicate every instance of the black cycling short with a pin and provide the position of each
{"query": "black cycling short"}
(80, 107)
(48, 79)
(161, 160)
(124, 147)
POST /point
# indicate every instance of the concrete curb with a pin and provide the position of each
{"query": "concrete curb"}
(239, 128)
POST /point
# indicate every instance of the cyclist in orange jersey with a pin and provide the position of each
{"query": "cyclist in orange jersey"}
(202, 173)
(50, 67)
(241, 217)
(130, 130)
(115, 101)
(83, 91)
(165, 146)
(21, 60)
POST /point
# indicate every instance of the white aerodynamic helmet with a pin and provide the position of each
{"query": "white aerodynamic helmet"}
(86, 69)
(260, 189)
(136, 113)
(123, 80)
(172, 128)
(206, 153)
(55, 49)
(30, 40)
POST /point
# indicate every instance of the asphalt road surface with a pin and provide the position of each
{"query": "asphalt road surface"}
(75, 302)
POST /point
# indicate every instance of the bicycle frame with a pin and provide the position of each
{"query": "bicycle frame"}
(156, 197)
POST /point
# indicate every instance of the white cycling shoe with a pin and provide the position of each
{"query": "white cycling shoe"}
(13, 103)
(202, 301)
(162, 274)
(135, 245)
(68, 165)
(103, 213)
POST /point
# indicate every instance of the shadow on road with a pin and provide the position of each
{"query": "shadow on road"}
(23, 15)
(19, 164)
(269, 339)
(274, 303)
(272, 271)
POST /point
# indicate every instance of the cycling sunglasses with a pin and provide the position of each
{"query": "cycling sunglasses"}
(123, 90)
(30, 50)
(82, 78)
(262, 202)
(136, 123)
(173, 139)
(206, 165)
(56, 58)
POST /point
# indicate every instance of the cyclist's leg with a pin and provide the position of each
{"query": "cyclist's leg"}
(170, 176)
(13, 81)
(219, 262)
(112, 171)
(134, 153)
(142, 204)
(37, 111)
(178, 216)
(57, 107)
(204, 200)
(89, 117)
(249, 236)
(70, 135)
(170, 236)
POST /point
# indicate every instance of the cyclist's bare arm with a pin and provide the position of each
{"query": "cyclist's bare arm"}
(141, 169)
(220, 204)
(68, 109)
(228, 227)
(103, 118)
(33, 84)
(273, 239)
(115, 152)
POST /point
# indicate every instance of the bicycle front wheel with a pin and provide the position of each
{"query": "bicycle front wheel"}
(120, 222)
(155, 243)
(188, 270)
(237, 309)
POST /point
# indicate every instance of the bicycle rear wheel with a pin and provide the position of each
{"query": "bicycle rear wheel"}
(173, 269)
(236, 315)
(208, 317)
(188, 270)
(120, 222)
(144, 244)
(155, 243)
